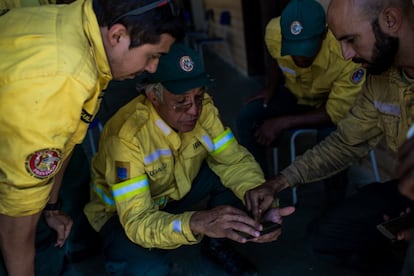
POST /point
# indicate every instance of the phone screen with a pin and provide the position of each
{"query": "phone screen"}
(268, 227)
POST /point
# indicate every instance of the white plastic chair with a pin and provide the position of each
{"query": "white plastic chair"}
(292, 144)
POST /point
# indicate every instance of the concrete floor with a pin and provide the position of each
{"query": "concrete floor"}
(288, 255)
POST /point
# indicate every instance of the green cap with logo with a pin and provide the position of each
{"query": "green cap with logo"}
(302, 23)
(181, 70)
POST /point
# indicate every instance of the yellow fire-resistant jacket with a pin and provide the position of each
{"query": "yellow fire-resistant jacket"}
(142, 164)
(53, 68)
(330, 79)
(384, 109)
(10, 4)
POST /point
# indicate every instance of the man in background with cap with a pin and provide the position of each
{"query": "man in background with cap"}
(161, 155)
(309, 84)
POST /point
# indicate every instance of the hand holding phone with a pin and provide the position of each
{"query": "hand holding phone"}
(268, 227)
(392, 227)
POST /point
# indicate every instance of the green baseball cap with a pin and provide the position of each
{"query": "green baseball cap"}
(181, 70)
(302, 23)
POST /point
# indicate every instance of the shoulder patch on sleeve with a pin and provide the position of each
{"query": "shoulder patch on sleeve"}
(357, 76)
(122, 171)
(44, 163)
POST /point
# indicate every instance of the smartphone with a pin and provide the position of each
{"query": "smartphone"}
(268, 227)
(392, 227)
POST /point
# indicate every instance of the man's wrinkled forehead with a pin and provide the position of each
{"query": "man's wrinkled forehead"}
(356, 9)
(341, 15)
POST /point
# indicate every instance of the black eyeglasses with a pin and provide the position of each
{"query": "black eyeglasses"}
(147, 8)
(198, 101)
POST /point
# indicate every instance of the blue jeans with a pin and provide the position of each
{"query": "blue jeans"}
(123, 257)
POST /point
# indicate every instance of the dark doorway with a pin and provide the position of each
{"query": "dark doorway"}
(256, 14)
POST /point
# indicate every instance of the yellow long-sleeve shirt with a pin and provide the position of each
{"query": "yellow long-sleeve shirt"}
(10, 4)
(384, 109)
(142, 164)
(330, 79)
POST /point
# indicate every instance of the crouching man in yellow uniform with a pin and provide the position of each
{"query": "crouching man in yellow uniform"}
(160, 155)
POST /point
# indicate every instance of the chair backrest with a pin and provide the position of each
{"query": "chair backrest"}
(225, 18)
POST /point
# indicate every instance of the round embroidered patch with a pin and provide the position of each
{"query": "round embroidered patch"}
(357, 76)
(186, 63)
(296, 27)
(43, 163)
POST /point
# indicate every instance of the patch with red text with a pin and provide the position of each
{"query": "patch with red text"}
(43, 163)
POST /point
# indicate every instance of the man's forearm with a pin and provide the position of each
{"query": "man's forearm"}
(279, 183)
(17, 239)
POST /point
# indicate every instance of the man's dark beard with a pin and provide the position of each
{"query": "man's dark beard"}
(384, 52)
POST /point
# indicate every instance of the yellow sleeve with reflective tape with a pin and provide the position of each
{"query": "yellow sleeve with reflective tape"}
(235, 166)
(143, 221)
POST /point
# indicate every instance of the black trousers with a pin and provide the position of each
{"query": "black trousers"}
(347, 234)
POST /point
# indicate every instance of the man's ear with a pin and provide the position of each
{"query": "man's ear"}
(390, 20)
(116, 33)
(153, 98)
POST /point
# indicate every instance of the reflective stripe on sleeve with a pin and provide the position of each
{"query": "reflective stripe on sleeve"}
(156, 155)
(223, 141)
(176, 224)
(208, 143)
(130, 188)
(100, 191)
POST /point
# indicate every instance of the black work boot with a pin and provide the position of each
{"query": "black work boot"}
(221, 252)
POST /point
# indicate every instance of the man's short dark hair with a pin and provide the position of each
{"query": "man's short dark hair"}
(145, 28)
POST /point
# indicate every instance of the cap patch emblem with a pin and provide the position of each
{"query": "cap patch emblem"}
(296, 27)
(186, 63)
(43, 163)
(357, 76)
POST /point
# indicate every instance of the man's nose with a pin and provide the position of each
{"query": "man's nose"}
(194, 108)
(152, 66)
(347, 51)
